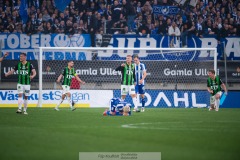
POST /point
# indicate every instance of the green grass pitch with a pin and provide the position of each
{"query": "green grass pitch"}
(185, 134)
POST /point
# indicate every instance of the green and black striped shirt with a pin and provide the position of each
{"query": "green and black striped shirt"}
(128, 74)
(214, 85)
(68, 74)
(24, 72)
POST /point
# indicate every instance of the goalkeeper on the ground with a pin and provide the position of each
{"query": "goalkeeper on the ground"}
(118, 107)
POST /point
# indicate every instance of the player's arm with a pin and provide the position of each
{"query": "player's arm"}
(78, 79)
(59, 78)
(4, 56)
(34, 73)
(209, 90)
(134, 76)
(223, 86)
(12, 71)
(143, 77)
(209, 87)
(121, 67)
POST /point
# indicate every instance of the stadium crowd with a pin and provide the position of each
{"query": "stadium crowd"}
(208, 17)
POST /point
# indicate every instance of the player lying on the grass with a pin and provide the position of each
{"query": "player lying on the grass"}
(26, 72)
(118, 107)
(67, 74)
(214, 87)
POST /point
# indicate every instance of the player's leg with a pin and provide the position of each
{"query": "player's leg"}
(137, 94)
(70, 101)
(212, 103)
(64, 92)
(25, 103)
(142, 95)
(26, 89)
(217, 100)
(20, 100)
(143, 101)
(132, 93)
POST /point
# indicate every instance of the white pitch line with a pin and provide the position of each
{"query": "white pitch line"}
(176, 127)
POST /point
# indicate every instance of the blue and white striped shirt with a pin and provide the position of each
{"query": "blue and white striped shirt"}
(139, 70)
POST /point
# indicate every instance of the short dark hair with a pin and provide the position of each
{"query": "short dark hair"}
(212, 71)
(135, 56)
(23, 54)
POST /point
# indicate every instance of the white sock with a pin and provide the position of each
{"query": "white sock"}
(217, 101)
(69, 101)
(20, 102)
(25, 105)
(135, 102)
(59, 103)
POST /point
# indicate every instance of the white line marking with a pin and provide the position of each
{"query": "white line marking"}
(175, 126)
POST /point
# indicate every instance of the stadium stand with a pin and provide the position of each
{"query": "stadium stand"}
(208, 17)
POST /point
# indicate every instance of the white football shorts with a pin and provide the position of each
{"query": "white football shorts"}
(213, 98)
(66, 89)
(127, 89)
(22, 88)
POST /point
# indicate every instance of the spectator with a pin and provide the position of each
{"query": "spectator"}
(10, 28)
(138, 8)
(19, 28)
(15, 17)
(102, 10)
(55, 25)
(93, 7)
(225, 32)
(174, 30)
(109, 25)
(147, 8)
(199, 27)
(29, 28)
(92, 26)
(46, 17)
(69, 28)
(83, 6)
(161, 28)
(39, 20)
(82, 27)
(129, 13)
(116, 11)
(61, 27)
(40, 28)
(99, 22)
(48, 29)
(143, 29)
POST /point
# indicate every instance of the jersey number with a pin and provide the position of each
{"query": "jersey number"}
(214, 87)
(23, 72)
(69, 76)
(129, 72)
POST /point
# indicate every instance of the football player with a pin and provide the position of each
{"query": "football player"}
(118, 107)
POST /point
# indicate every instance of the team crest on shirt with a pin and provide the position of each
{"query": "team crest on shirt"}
(23, 67)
